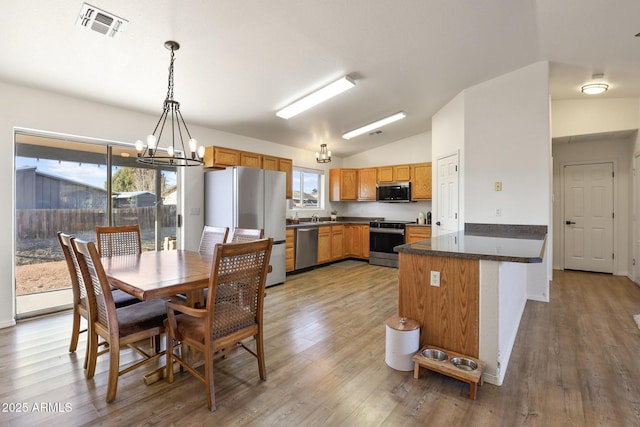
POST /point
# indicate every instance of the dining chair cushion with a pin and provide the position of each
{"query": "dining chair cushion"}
(141, 316)
(228, 318)
(123, 299)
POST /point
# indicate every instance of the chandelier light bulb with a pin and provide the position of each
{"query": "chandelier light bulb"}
(151, 142)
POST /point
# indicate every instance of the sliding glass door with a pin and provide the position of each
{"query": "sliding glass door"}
(72, 186)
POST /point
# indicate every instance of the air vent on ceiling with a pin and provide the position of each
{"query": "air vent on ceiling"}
(100, 21)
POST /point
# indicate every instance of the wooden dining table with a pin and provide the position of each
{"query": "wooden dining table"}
(160, 274)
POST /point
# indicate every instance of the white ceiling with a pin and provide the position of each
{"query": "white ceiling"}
(241, 61)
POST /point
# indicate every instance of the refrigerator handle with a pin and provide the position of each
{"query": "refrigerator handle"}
(179, 221)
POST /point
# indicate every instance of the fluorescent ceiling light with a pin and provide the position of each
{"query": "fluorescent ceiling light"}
(374, 125)
(316, 98)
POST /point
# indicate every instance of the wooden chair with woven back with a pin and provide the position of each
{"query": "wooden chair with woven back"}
(227, 320)
(118, 240)
(211, 236)
(78, 288)
(119, 327)
(246, 234)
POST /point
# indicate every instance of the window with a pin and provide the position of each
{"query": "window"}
(308, 188)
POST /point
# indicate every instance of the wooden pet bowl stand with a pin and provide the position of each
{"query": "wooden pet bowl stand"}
(473, 378)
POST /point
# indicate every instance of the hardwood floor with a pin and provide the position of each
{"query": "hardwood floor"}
(575, 363)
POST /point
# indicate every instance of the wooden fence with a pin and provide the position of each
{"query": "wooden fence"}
(44, 223)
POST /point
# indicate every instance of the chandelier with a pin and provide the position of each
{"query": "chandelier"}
(176, 154)
(324, 156)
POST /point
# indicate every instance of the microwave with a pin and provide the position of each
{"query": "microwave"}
(397, 192)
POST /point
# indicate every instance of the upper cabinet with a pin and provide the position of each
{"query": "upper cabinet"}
(343, 185)
(367, 184)
(222, 157)
(394, 173)
(286, 166)
(421, 182)
(270, 163)
(360, 184)
(252, 160)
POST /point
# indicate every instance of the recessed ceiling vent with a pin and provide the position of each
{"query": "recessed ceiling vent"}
(100, 21)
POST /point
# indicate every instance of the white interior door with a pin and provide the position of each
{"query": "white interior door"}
(588, 212)
(446, 220)
(636, 219)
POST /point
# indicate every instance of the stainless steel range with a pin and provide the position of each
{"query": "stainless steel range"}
(383, 237)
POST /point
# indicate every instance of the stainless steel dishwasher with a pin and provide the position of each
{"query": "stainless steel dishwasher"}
(306, 247)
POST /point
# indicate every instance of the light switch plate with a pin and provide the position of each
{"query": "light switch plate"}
(435, 278)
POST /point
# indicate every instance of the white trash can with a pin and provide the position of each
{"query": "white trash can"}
(403, 341)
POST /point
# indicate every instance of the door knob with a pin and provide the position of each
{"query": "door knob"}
(569, 222)
(438, 223)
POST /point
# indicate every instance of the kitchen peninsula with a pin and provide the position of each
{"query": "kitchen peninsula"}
(468, 289)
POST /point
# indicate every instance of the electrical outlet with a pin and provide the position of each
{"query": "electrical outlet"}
(435, 278)
(498, 211)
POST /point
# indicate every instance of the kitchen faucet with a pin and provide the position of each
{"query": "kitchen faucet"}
(315, 217)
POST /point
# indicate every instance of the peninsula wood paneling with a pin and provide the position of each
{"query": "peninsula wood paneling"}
(448, 314)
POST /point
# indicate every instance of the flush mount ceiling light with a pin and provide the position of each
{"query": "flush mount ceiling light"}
(324, 156)
(173, 155)
(374, 125)
(596, 87)
(316, 97)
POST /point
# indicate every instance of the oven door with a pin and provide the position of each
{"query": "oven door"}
(381, 244)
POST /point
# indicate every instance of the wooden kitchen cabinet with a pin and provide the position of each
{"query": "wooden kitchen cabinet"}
(367, 184)
(417, 232)
(343, 185)
(356, 240)
(286, 166)
(290, 250)
(421, 182)
(252, 160)
(270, 163)
(324, 244)
(220, 157)
(337, 242)
(352, 241)
(394, 173)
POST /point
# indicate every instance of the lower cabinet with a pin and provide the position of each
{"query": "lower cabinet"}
(324, 244)
(337, 242)
(290, 250)
(356, 241)
(416, 233)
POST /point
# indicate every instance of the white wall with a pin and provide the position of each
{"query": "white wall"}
(508, 140)
(448, 137)
(619, 152)
(588, 116)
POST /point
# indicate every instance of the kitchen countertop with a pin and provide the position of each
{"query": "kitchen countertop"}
(306, 222)
(489, 244)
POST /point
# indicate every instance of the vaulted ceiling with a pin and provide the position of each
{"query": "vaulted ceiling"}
(241, 61)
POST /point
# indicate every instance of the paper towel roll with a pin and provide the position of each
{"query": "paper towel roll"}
(402, 343)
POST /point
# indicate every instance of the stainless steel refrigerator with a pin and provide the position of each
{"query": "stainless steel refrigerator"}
(250, 198)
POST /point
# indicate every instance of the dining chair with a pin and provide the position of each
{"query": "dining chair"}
(118, 240)
(119, 327)
(245, 234)
(78, 289)
(210, 237)
(227, 320)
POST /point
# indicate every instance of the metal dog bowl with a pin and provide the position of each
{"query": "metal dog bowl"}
(433, 354)
(464, 363)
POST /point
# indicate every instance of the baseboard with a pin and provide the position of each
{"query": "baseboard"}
(8, 323)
